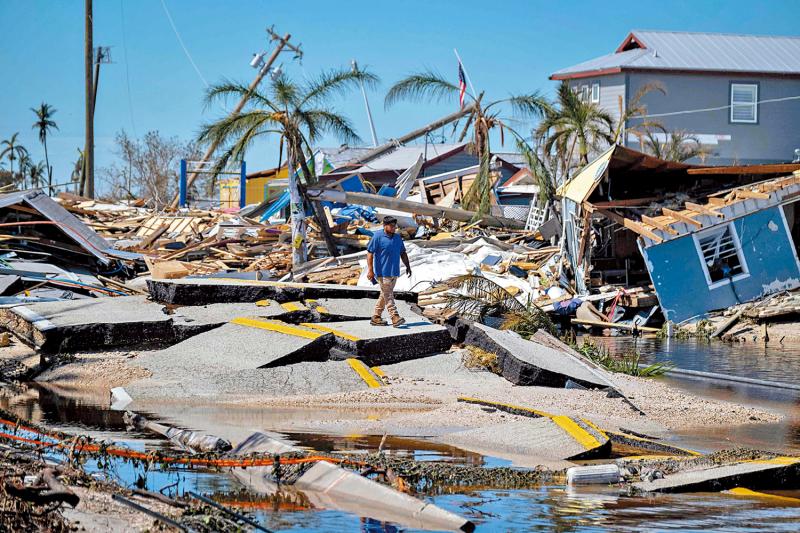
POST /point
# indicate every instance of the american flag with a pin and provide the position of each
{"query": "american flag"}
(462, 85)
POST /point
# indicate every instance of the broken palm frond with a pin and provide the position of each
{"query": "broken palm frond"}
(478, 297)
(475, 358)
(529, 321)
(627, 363)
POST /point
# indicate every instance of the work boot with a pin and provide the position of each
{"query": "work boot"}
(378, 321)
(398, 321)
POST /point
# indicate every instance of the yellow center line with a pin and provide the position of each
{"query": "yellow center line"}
(264, 303)
(378, 372)
(323, 310)
(326, 329)
(279, 327)
(362, 370)
(741, 491)
(293, 306)
(506, 405)
(583, 437)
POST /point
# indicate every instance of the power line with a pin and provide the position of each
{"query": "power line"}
(127, 73)
(720, 108)
(180, 40)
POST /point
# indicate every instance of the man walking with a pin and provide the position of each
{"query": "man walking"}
(384, 252)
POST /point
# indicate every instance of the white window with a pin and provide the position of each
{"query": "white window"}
(595, 93)
(744, 106)
(584, 93)
(721, 254)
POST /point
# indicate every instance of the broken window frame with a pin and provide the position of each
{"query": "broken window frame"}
(737, 248)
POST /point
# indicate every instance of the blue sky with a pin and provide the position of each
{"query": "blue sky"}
(507, 47)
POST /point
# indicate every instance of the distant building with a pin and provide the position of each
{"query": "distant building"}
(738, 94)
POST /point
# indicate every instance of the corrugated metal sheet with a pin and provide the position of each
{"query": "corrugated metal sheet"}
(668, 50)
(404, 157)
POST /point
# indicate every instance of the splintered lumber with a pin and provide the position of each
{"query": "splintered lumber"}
(375, 200)
(703, 210)
(747, 193)
(631, 225)
(659, 225)
(601, 324)
(677, 215)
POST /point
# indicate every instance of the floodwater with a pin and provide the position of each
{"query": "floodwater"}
(547, 508)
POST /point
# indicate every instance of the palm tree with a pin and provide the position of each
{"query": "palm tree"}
(299, 114)
(574, 124)
(433, 87)
(25, 164)
(635, 110)
(78, 169)
(677, 145)
(37, 174)
(12, 151)
(45, 123)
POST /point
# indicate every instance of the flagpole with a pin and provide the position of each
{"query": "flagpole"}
(472, 87)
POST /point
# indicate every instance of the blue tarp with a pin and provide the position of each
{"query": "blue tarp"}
(281, 202)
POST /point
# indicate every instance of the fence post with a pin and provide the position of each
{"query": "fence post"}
(182, 201)
(243, 186)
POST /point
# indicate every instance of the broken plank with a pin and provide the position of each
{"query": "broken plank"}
(703, 210)
(747, 193)
(682, 217)
(658, 225)
(631, 225)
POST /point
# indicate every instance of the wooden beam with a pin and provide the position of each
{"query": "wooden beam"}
(747, 193)
(677, 215)
(703, 210)
(631, 225)
(716, 201)
(746, 169)
(658, 225)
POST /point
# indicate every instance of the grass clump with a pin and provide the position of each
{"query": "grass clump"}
(626, 363)
(475, 358)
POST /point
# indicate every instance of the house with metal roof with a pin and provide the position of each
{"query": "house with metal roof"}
(739, 95)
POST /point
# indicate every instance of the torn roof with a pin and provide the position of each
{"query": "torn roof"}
(77, 231)
(694, 51)
(404, 157)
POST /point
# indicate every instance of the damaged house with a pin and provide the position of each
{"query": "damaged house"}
(707, 237)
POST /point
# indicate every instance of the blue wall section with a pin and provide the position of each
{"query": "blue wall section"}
(678, 276)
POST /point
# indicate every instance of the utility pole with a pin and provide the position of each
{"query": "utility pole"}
(88, 159)
(369, 113)
(282, 42)
(102, 55)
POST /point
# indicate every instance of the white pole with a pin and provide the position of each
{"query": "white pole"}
(471, 87)
(369, 113)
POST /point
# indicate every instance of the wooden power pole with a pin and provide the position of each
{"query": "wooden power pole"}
(282, 42)
(88, 159)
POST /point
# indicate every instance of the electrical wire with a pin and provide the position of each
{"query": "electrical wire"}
(720, 108)
(180, 40)
(127, 73)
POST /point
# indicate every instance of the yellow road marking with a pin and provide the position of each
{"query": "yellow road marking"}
(279, 327)
(264, 303)
(650, 441)
(506, 405)
(776, 461)
(378, 372)
(741, 491)
(336, 332)
(653, 457)
(323, 310)
(362, 370)
(293, 306)
(583, 437)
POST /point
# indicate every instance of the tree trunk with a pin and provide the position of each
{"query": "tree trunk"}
(297, 213)
(49, 170)
(319, 211)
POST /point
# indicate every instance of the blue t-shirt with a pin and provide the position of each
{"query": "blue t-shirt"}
(386, 251)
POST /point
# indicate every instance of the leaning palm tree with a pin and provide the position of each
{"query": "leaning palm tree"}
(12, 150)
(299, 114)
(431, 86)
(574, 127)
(45, 123)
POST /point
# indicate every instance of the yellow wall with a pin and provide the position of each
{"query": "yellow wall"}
(258, 190)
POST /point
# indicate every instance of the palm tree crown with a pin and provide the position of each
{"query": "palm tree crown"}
(431, 86)
(299, 114)
(12, 150)
(45, 123)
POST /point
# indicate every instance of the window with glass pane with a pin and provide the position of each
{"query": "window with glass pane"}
(722, 257)
(595, 92)
(744, 107)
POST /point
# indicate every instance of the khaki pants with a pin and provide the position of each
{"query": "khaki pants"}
(386, 299)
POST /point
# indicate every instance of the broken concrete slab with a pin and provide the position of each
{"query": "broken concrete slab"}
(96, 323)
(201, 291)
(777, 473)
(343, 309)
(525, 362)
(377, 345)
(548, 439)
